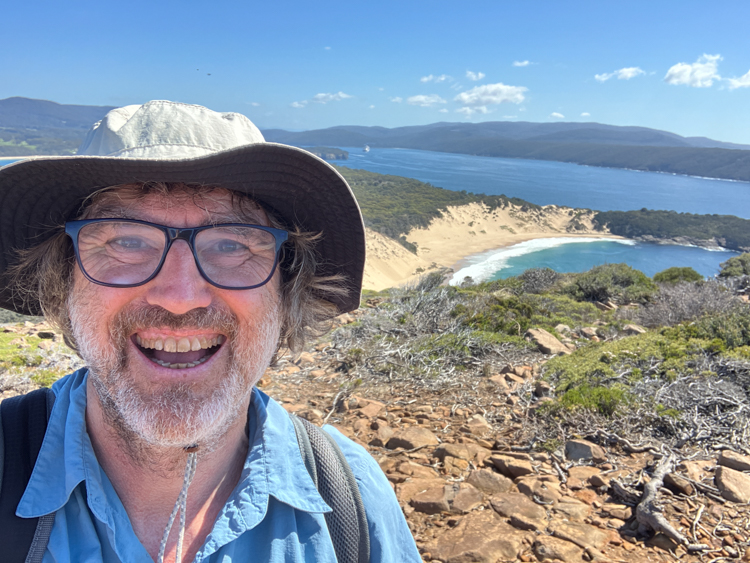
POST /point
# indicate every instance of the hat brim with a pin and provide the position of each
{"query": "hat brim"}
(38, 195)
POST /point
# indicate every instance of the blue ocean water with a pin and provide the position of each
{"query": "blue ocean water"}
(559, 183)
(581, 254)
(571, 185)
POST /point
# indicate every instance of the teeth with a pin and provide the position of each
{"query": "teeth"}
(184, 344)
(179, 366)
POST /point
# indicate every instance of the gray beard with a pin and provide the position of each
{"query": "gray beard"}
(181, 414)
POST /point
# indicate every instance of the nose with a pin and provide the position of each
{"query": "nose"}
(179, 286)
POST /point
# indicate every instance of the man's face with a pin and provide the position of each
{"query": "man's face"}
(173, 361)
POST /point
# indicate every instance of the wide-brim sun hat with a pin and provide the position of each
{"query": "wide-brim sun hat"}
(163, 141)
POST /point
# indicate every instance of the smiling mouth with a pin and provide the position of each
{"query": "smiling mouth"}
(179, 352)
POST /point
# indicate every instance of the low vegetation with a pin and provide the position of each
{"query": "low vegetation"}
(727, 231)
(393, 205)
(684, 381)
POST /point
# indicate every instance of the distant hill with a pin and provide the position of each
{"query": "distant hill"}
(29, 127)
(592, 144)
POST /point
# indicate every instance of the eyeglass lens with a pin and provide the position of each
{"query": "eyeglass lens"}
(124, 253)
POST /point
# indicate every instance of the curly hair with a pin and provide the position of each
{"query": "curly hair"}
(43, 274)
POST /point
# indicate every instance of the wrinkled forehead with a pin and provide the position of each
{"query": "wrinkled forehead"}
(174, 205)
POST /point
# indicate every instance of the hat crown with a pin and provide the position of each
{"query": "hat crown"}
(168, 130)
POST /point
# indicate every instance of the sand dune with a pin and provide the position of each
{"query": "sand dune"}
(464, 231)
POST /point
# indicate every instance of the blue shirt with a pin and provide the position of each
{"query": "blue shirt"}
(274, 514)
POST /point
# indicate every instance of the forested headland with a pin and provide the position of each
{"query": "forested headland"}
(726, 231)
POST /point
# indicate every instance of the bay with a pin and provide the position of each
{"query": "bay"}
(572, 185)
(559, 183)
(544, 183)
(581, 254)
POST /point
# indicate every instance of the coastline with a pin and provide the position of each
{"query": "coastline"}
(464, 231)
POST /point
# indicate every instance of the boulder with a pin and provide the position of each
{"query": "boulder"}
(583, 472)
(733, 460)
(734, 485)
(480, 537)
(548, 548)
(679, 484)
(416, 470)
(546, 343)
(633, 329)
(588, 332)
(582, 450)
(572, 509)
(546, 488)
(508, 504)
(412, 438)
(512, 467)
(409, 489)
(382, 435)
(459, 451)
(489, 482)
(478, 425)
(583, 535)
(433, 501)
(371, 409)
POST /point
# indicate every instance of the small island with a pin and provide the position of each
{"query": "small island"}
(328, 153)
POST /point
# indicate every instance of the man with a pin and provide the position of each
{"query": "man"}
(177, 252)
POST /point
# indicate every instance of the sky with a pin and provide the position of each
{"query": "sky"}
(680, 66)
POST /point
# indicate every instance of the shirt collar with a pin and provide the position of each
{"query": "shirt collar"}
(273, 466)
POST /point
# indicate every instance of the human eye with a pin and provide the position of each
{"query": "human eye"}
(128, 243)
(229, 246)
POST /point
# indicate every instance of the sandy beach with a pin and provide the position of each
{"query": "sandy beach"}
(464, 231)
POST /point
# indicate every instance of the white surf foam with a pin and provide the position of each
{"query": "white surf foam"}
(483, 266)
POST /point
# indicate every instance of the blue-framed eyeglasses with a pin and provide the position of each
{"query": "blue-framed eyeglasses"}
(129, 253)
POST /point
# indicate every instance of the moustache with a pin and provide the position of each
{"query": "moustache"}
(214, 319)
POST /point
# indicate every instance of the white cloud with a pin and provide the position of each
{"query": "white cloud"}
(397, 99)
(469, 111)
(301, 104)
(700, 74)
(433, 78)
(557, 115)
(622, 74)
(741, 82)
(490, 94)
(629, 72)
(521, 63)
(585, 114)
(327, 48)
(254, 104)
(325, 98)
(372, 107)
(510, 116)
(425, 101)
(443, 110)
(474, 75)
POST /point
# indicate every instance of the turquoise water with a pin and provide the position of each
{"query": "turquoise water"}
(566, 255)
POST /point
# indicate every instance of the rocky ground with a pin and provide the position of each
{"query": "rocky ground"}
(472, 487)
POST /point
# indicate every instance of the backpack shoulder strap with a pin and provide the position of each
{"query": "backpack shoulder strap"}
(347, 523)
(23, 422)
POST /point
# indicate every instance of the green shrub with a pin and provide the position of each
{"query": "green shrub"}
(675, 275)
(606, 401)
(617, 282)
(736, 266)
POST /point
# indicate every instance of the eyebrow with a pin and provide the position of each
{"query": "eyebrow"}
(121, 212)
